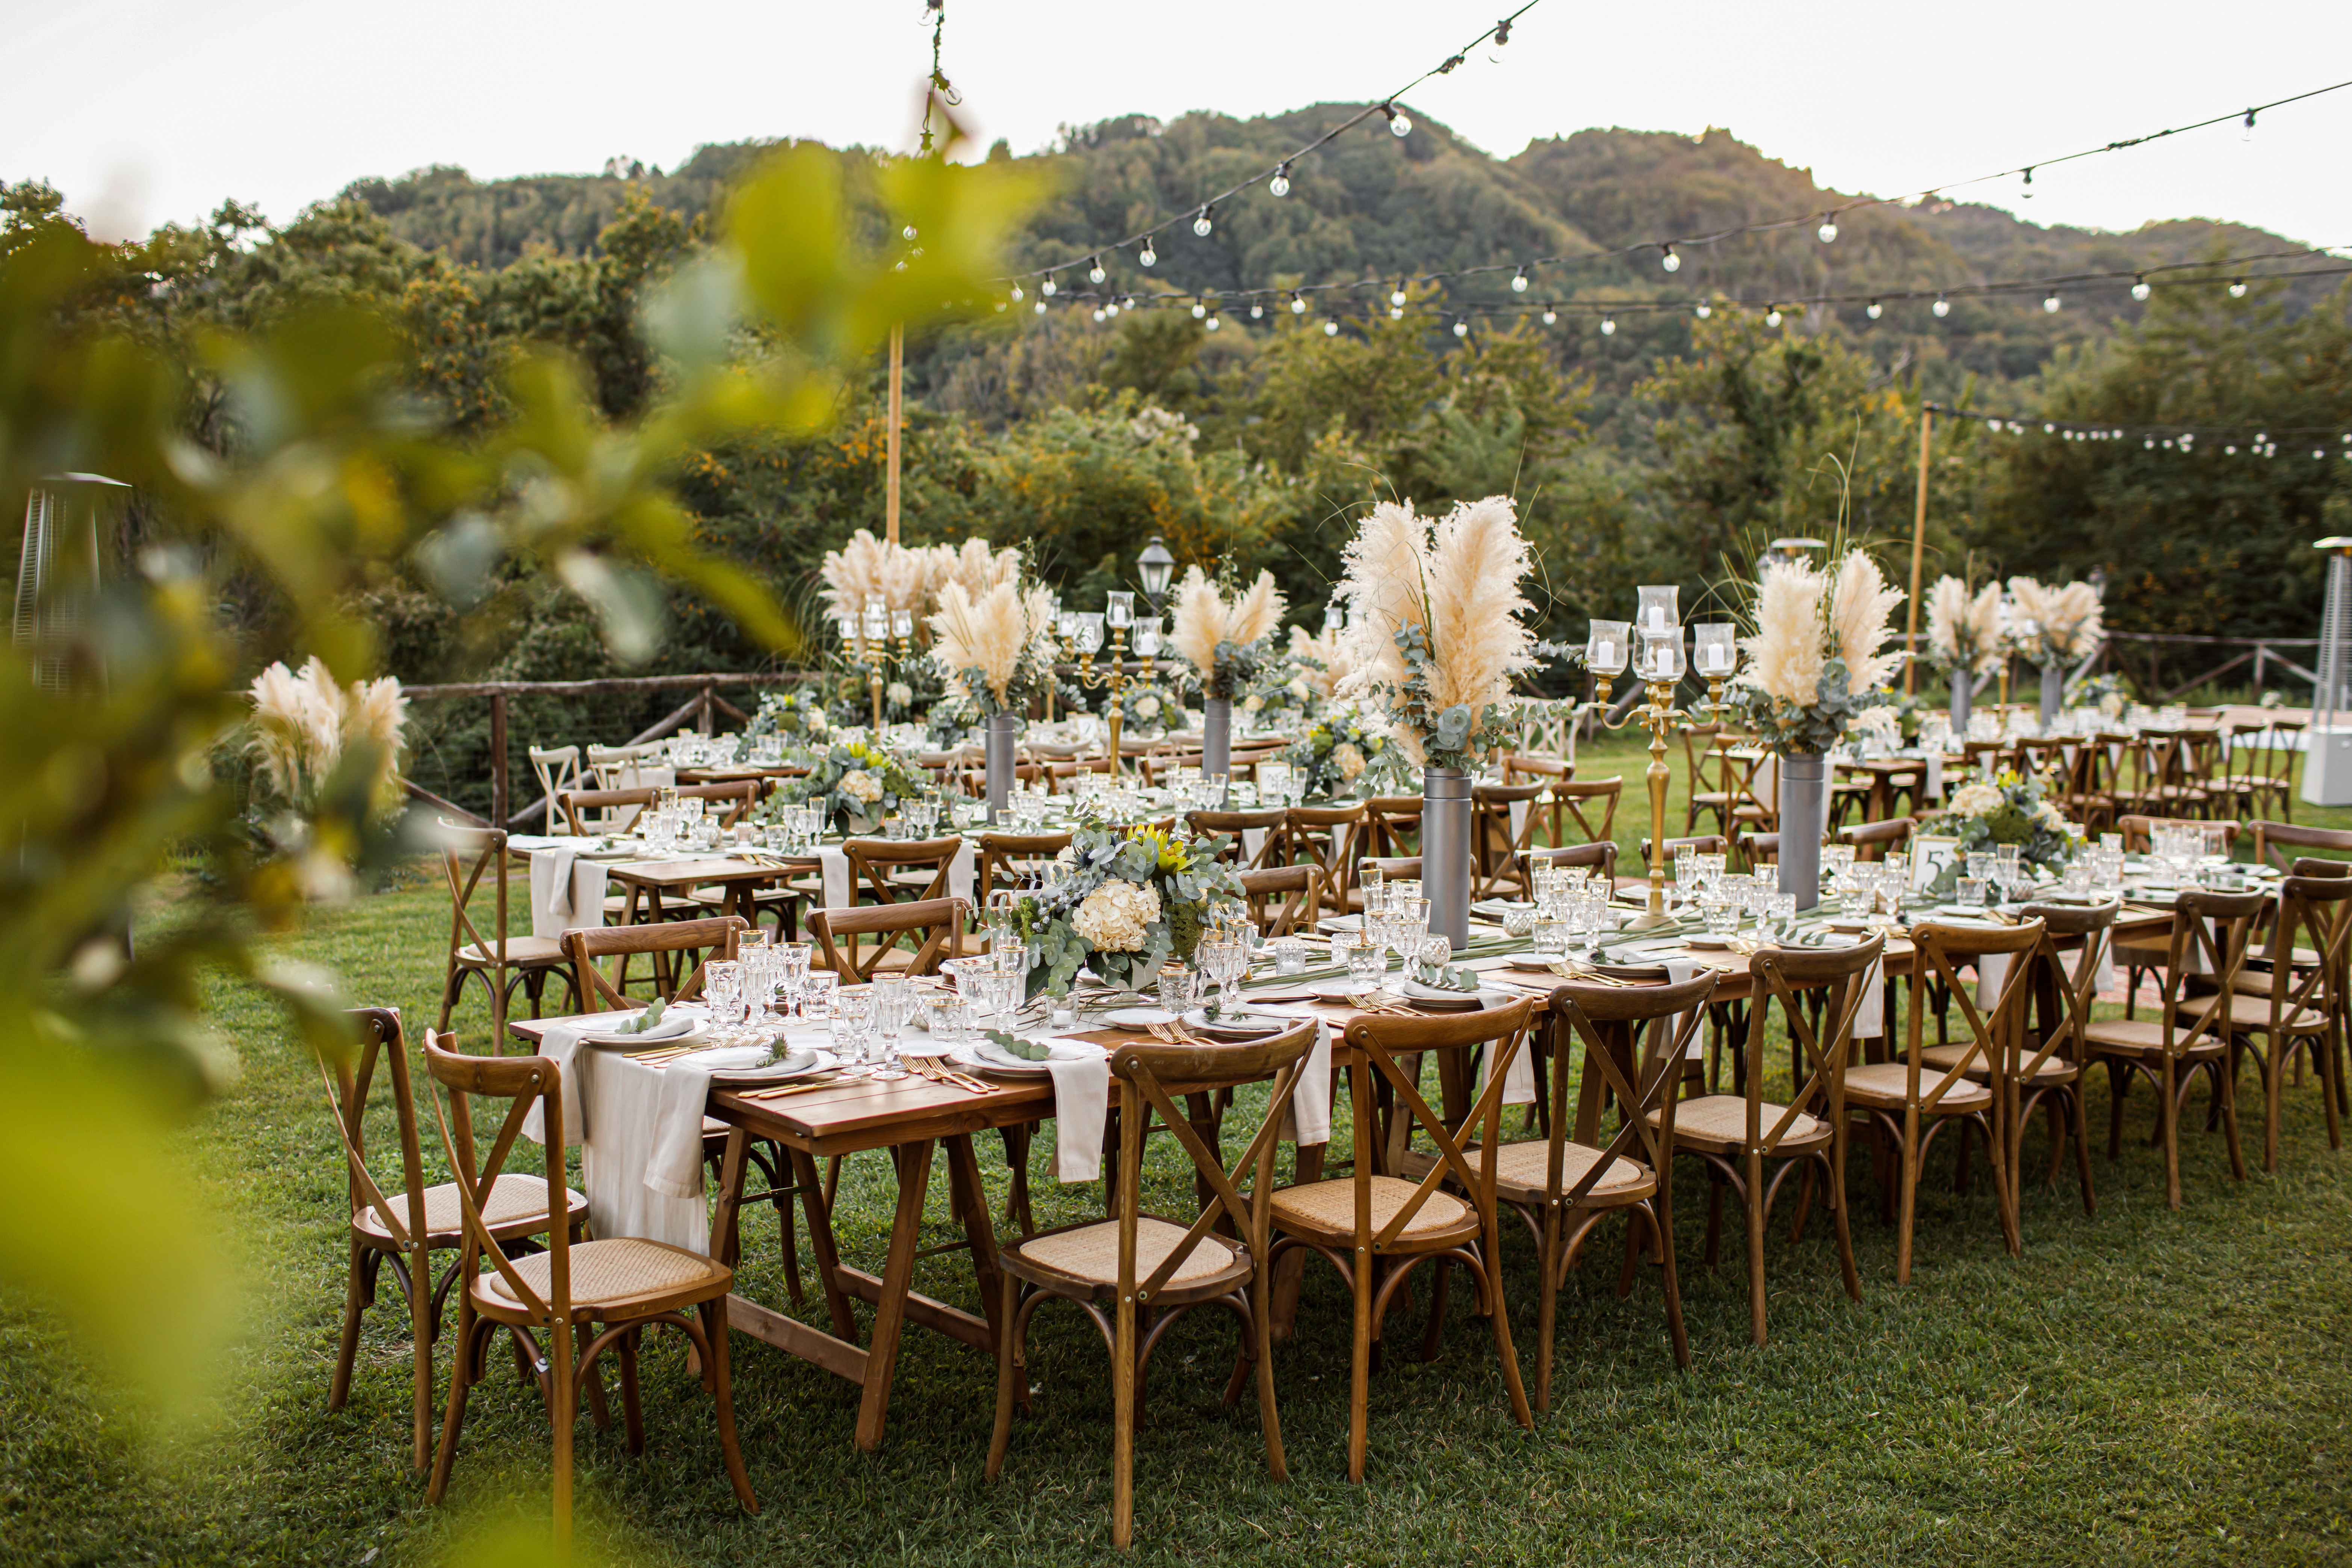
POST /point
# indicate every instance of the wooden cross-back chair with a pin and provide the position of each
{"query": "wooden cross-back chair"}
(625, 1284)
(1566, 1181)
(1703, 744)
(1599, 857)
(1298, 889)
(2139, 952)
(1906, 1111)
(469, 857)
(1391, 826)
(609, 765)
(384, 1234)
(667, 943)
(1759, 849)
(2256, 778)
(1012, 858)
(558, 768)
(1324, 838)
(2211, 932)
(1876, 840)
(2274, 839)
(1733, 1135)
(1154, 768)
(2044, 1068)
(1136, 1274)
(1495, 845)
(892, 870)
(1374, 1229)
(938, 922)
(1554, 770)
(1268, 822)
(2299, 1007)
(1581, 799)
(587, 810)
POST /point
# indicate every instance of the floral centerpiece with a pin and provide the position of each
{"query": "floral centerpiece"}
(1434, 637)
(1346, 754)
(1964, 639)
(1126, 900)
(2013, 809)
(1149, 707)
(2055, 628)
(857, 785)
(797, 716)
(994, 651)
(2105, 692)
(1225, 634)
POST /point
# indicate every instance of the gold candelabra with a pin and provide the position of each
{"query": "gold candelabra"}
(1113, 682)
(1655, 643)
(1658, 714)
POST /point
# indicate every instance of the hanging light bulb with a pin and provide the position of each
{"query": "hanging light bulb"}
(2248, 134)
(1772, 315)
(2050, 304)
(1942, 307)
(1398, 123)
(1461, 329)
(1148, 256)
(1048, 288)
(1550, 316)
(1214, 322)
(2049, 429)
(1704, 310)
(907, 233)
(1828, 231)
(1670, 261)
(1280, 184)
(1994, 425)
(1257, 312)
(1297, 306)
(1111, 308)
(1201, 224)
(1520, 280)
(2139, 288)
(1873, 310)
(1017, 295)
(1098, 314)
(1396, 312)
(2229, 451)
(1199, 309)
(1039, 307)
(1095, 273)
(1608, 326)
(2237, 288)
(1396, 295)
(1330, 326)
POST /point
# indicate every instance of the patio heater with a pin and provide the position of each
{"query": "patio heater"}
(2327, 756)
(59, 570)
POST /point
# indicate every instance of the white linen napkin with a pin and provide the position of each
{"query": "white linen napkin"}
(1679, 969)
(1253, 842)
(1081, 1104)
(1519, 1079)
(1518, 819)
(640, 1150)
(963, 869)
(1935, 772)
(565, 891)
(1307, 1120)
(1870, 1017)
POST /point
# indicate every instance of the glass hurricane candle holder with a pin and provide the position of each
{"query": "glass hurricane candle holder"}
(1659, 655)
(1657, 611)
(1118, 610)
(1605, 648)
(1717, 650)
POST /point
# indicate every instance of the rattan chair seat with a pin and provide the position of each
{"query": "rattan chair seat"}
(1088, 1255)
(1325, 1211)
(2144, 1037)
(1884, 1086)
(1522, 1173)
(603, 1272)
(2294, 1021)
(520, 950)
(1939, 1061)
(516, 1201)
(1717, 1123)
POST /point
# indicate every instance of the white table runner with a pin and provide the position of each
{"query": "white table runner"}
(639, 1132)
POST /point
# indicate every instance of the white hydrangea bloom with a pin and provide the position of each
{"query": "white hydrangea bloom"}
(859, 784)
(1113, 917)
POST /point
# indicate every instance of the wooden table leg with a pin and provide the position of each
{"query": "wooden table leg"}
(726, 1243)
(963, 1180)
(821, 1245)
(897, 1274)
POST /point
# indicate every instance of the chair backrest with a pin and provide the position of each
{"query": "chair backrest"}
(2137, 831)
(1495, 845)
(1299, 888)
(1599, 858)
(558, 768)
(1381, 1040)
(1324, 836)
(1872, 840)
(1151, 768)
(523, 1082)
(1699, 751)
(1390, 867)
(2215, 930)
(1994, 1036)
(716, 937)
(1004, 855)
(1231, 825)
(1151, 1079)
(1705, 844)
(2271, 838)
(1391, 826)
(469, 856)
(1781, 975)
(938, 922)
(1580, 798)
(1536, 766)
(2061, 999)
(872, 862)
(347, 1083)
(2321, 907)
(1760, 848)
(1611, 1022)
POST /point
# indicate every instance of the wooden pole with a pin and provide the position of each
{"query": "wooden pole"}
(1919, 549)
(497, 756)
(898, 373)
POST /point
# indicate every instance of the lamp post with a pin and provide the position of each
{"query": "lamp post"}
(1153, 568)
(1655, 643)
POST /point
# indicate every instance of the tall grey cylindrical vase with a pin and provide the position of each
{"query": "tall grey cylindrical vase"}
(996, 736)
(1446, 852)
(1217, 736)
(1963, 685)
(2053, 683)
(1804, 794)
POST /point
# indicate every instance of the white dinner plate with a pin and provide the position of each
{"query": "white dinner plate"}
(989, 1056)
(688, 1027)
(1137, 1018)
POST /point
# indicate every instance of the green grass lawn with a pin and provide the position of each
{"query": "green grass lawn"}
(2140, 1385)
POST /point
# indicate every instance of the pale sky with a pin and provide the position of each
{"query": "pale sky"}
(144, 111)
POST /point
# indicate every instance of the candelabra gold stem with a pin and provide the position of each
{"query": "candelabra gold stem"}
(1657, 713)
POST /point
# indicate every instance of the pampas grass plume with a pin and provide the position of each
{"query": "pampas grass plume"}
(1785, 656)
(1387, 565)
(1860, 602)
(1477, 640)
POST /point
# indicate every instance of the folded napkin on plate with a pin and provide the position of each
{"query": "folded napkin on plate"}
(639, 1132)
(565, 890)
